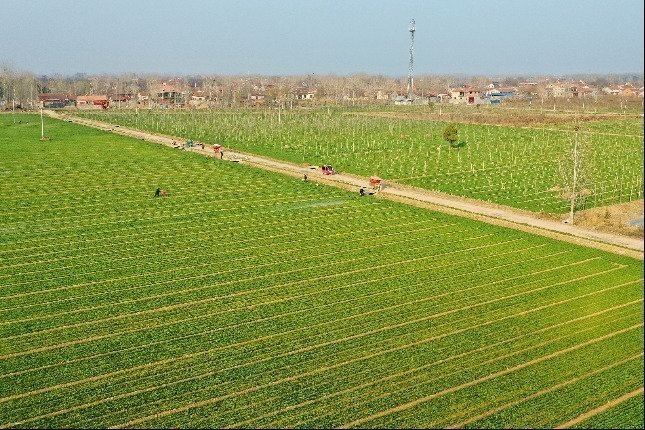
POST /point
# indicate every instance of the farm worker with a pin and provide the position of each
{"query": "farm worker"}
(362, 192)
(221, 155)
(305, 178)
(157, 192)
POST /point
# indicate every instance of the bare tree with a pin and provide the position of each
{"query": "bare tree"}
(575, 171)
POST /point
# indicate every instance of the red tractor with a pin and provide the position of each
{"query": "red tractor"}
(328, 169)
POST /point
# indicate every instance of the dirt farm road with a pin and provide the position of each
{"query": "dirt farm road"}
(470, 208)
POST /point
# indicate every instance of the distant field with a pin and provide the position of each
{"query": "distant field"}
(245, 298)
(514, 166)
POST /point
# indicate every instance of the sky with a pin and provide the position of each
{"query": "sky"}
(318, 37)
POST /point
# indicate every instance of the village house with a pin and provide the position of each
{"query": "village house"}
(143, 98)
(197, 99)
(613, 90)
(467, 95)
(93, 102)
(528, 88)
(54, 100)
(302, 93)
(626, 90)
(383, 95)
(557, 90)
(168, 95)
(497, 94)
(257, 99)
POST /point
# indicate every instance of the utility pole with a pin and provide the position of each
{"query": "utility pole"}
(411, 65)
(42, 125)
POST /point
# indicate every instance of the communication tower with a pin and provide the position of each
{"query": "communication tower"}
(411, 65)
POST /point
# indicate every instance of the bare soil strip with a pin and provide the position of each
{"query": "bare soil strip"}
(227, 249)
(485, 378)
(474, 209)
(455, 372)
(341, 364)
(166, 361)
(487, 347)
(591, 413)
(186, 304)
(137, 421)
(244, 292)
(454, 357)
(253, 241)
(556, 387)
(250, 322)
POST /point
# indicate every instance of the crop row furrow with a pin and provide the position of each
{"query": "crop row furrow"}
(350, 298)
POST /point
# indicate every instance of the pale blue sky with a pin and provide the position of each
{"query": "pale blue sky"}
(297, 37)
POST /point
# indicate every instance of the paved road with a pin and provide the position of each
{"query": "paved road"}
(475, 209)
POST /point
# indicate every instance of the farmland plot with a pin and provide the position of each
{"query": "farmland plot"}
(513, 166)
(244, 298)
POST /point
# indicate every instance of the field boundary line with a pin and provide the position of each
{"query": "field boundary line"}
(355, 359)
(487, 377)
(185, 232)
(271, 237)
(105, 336)
(228, 271)
(171, 217)
(284, 299)
(239, 293)
(364, 385)
(488, 361)
(546, 391)
(601, 409)
(219, 253)
(192, 355)
(400, 407)
(454, 357)
(250, 247)
(120, 290)
(276, 316)
(410, 370)
(169, 236)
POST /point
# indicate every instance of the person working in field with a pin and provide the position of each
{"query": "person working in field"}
(157, 192)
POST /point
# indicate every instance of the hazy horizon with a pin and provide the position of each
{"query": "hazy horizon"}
(295, 38)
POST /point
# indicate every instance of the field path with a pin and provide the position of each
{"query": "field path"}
(475, 209)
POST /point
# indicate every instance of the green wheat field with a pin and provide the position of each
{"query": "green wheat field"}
(249, 299)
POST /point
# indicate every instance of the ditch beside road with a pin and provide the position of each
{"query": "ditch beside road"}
(470, 208)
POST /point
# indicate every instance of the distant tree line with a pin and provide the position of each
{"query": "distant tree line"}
(22, 88)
